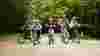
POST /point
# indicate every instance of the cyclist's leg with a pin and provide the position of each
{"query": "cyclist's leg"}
(38, 35)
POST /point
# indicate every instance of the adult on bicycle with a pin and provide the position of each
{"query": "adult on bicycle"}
(36, 30)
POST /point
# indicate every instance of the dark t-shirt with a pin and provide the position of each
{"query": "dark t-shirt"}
(97, 12)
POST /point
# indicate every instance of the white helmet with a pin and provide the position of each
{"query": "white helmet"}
(74, 17)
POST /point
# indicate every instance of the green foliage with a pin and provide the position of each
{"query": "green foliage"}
(44, 8)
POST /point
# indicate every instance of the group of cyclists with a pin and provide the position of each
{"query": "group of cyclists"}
(54, 24)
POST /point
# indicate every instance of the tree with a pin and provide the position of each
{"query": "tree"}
(44, 8)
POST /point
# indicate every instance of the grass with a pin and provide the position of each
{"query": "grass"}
(87, 37)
